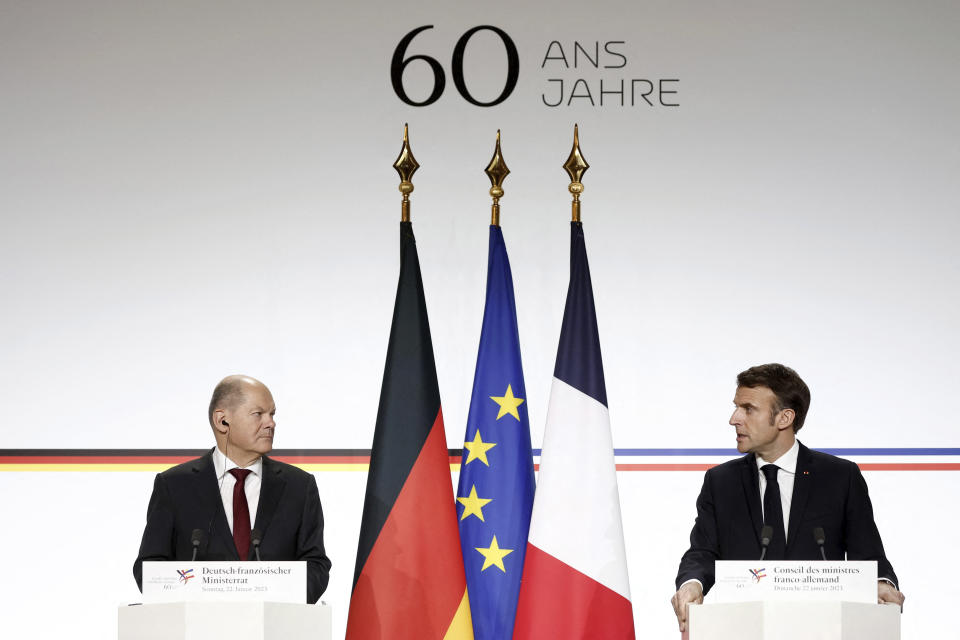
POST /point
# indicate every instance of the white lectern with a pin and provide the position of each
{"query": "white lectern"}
(794, 600)
(234, 620)
(794, 621)
(236, 600)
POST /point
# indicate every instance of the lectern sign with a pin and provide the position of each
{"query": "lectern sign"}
(231, 581)
(751, 580)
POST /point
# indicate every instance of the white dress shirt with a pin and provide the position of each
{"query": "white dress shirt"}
(222, 465)
(785, 477)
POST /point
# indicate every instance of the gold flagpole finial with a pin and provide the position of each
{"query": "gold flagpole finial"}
(406, 165)
(575, 167)
(497, 171)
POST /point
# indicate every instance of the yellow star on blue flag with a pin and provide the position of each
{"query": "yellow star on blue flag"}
(493, 556)
(508, 404)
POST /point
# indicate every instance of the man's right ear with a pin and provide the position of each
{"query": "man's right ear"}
(220, 423)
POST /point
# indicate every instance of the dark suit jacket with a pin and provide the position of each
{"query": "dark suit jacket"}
(828, 492)
(289, 517)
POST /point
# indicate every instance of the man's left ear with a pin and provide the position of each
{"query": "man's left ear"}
(785, 419)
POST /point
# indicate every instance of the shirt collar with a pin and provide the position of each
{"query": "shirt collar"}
(787, 462)
(222, 464)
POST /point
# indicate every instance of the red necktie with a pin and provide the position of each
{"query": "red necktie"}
(241, 513)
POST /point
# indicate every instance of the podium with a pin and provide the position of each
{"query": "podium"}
(794, 621)
(794, 600)
(224, 599)
(234, 620)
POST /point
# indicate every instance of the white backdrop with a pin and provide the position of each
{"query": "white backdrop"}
(190, 189)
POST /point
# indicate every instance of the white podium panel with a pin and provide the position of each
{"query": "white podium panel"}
(794, 581)
(232, 581)
(234, 620)
(794, 621)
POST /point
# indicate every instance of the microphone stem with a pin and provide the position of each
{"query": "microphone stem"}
(823, 553)
(256, 551)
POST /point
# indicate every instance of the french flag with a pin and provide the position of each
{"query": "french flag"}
(575, 581)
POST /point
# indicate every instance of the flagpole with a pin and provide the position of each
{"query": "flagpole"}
(497, 171)
(575, 166)
(406, 165)
(575, 582)
(408, 585)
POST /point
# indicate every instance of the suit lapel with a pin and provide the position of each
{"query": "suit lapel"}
(209, 493)
(271, 488)
(802, 482)
(751, 490)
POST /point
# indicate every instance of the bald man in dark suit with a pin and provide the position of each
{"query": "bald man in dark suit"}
(203, 494)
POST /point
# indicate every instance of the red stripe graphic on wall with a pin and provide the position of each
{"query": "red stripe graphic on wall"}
(359, 459)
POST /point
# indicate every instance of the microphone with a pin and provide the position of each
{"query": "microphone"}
(766, 534)
(821, 538)
(255, 539)
(196, 539)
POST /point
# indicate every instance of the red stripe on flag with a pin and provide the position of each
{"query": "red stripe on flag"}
(557, 601)
(413, 580)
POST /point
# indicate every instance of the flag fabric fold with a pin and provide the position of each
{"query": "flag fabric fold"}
(409, 581)
(575, 582)
(495, 493)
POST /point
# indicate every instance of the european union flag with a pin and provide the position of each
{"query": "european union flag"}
(495, 494)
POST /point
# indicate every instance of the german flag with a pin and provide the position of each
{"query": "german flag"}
(409, 580)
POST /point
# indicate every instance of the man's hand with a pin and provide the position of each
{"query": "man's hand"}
(888, 594)
(689, 592)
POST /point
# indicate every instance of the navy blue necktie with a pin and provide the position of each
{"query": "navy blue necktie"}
(773, 514)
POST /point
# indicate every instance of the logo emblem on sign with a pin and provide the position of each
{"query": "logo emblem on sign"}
(185, 576)
(758, 574)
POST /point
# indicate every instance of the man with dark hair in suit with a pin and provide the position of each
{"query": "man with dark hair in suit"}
(809, 489)
(219, 493)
